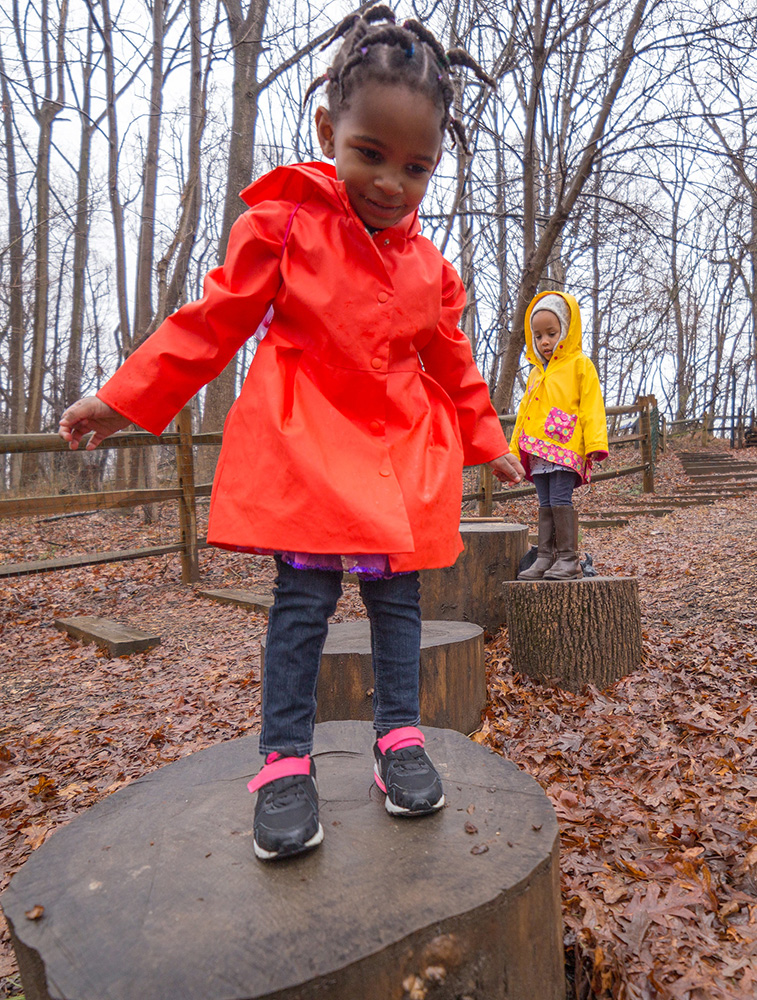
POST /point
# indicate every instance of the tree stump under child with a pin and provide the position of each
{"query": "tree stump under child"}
(574, 632)
(154, 893)
(452, 679)
(471, 590)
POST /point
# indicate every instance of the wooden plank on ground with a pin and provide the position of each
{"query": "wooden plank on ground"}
(248, 599)
(602, 522)
(638, 512)
(116, 638)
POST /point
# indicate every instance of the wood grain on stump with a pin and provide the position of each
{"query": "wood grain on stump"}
(154, 893)
(471, 590)
(452, 679)
(574, 632)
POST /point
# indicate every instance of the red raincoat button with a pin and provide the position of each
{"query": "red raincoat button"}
(376, 362)
(383, 296)
(385, 472)
(375, 427)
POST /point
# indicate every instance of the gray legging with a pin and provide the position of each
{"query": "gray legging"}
(555, 489)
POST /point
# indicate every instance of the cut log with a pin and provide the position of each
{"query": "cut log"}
(250, 600)
(575, 632)
(452, 680)
(471, 590)
(154, 893)
(115, 638)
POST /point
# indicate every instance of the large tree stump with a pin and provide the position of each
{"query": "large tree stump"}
(471, 590)
(154, 893)
(452, 680)
(574, 632)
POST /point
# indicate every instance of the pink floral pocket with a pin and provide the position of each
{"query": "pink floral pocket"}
(560, 425)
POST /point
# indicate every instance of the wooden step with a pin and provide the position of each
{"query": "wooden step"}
(250, 600)
(114, 637)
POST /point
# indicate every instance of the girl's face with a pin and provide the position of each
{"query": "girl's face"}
(386, 144)
(545, 329)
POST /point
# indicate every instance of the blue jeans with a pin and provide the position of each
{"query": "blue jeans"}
(304, 600)
(555, 489)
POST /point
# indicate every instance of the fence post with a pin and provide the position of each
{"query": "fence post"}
(663, 433)
(486, 487)
(704, 427)
(647, 455)
(190, 565)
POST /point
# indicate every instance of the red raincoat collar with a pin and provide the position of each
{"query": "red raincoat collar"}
(321, 177)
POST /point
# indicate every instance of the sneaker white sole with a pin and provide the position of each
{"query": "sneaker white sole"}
(264, 855)
(393, 809)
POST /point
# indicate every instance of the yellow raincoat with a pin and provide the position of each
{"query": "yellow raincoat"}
(561, 417)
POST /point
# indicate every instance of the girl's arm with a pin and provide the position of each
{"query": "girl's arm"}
(448, 359)
(520, 419)
(508, 469)
(196, 343)
(591, 413)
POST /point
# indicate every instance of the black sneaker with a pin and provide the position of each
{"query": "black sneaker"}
(286, 810)
(404, 772)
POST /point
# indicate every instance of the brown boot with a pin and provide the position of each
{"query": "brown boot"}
(566, 566)
(545, 554)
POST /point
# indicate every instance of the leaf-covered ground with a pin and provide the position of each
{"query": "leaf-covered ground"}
(654, 780)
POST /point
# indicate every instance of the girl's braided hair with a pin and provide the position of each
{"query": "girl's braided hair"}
(391, 53)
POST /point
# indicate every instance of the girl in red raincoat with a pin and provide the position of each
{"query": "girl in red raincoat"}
(345, 448)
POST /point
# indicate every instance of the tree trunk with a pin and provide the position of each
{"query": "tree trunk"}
(73, 374)
(16, 387)
(536, 259)
(116, 207)
(574, 632)
(246, 39)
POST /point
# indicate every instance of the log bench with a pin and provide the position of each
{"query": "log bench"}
(575, 632)
(452, 678)
(154, 893)
(471, 590)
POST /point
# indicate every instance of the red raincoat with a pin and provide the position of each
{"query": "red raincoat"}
(362, 402)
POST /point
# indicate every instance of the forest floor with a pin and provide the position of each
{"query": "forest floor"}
(654, 780)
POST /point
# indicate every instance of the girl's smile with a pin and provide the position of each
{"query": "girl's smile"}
(386, 144)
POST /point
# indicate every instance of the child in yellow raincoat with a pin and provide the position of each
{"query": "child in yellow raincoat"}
(560, 431)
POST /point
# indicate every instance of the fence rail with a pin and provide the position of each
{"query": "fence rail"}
(650, 431)
(185, 494)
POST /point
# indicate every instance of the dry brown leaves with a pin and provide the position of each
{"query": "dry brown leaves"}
(654, 781)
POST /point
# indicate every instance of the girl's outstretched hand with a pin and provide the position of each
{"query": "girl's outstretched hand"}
(508, 469)
(90, 414)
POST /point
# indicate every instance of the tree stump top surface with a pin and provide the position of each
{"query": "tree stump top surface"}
(355, 637)
(154, 893)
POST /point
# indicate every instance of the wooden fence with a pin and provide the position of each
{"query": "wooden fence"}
(735, 427)
(187, 491)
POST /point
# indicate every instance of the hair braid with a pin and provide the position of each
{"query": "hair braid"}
(395, 54)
